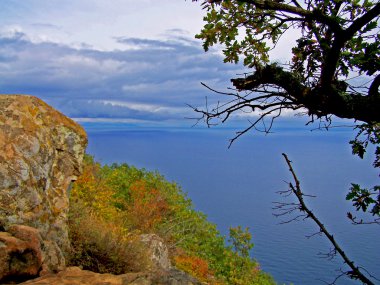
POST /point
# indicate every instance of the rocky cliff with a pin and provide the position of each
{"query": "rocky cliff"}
(41, 152)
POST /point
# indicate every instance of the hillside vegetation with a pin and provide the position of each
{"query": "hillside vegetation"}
(111, 206)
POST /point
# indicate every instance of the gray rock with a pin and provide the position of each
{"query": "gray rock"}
(157, 251)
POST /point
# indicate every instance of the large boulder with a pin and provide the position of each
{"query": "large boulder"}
(41, 152)
(20, 253)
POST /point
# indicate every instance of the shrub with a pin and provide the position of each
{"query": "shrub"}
(102, 246)
(146, 208)
(111, 204)
(196, 267)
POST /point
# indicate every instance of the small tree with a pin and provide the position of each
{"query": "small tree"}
(334, 70)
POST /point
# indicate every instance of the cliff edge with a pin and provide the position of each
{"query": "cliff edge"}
(41, 153)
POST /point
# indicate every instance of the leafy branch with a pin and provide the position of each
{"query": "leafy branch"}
(338, 39)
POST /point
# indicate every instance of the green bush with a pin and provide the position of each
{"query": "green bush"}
(134, 201)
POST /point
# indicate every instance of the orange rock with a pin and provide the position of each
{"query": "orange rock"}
(76, 276)
(20, 253)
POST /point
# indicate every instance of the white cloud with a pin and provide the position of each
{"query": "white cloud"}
(144, 107)
(82, 61)
(165, 85)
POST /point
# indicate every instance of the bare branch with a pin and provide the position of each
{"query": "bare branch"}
(356, 221)
(355, 272)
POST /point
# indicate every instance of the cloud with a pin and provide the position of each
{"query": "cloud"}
(132, 61)
(96, 22)
(47, 26)
(148, 80)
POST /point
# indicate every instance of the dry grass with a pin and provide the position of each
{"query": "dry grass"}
(104, 247)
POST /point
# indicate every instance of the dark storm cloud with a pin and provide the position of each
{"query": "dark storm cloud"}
(146, 80)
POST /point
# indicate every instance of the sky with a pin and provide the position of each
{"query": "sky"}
(125, 61)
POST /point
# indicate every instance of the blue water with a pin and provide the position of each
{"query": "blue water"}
(238, 186)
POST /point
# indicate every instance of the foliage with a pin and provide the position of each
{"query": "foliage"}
(127, 202)
(367, 134)
(363, 198)
(196, 266)
(92, 190)
(241, 241)
(250, 29)
(100, 242)
(146, 207)
(242, 269)
(101, 246)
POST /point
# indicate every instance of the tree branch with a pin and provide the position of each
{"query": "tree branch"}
(374, 88)
(319, 100)
(273, 74)
(355, 272)
(314, 15)
(360, 22)
(333, 55)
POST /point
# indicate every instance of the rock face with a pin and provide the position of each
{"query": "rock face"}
(41, 152)
(157, 251)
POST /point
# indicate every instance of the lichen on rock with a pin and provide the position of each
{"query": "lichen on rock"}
(41, 153)
(157, 251)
